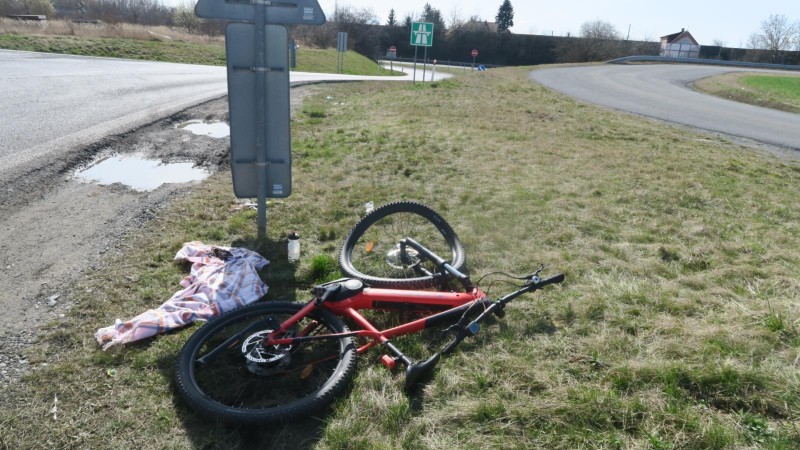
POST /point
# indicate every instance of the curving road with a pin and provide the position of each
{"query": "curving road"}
(662, 91)
(50, 103)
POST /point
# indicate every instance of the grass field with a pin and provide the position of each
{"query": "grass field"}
(677, 326)
(772, 91)
(156, 44)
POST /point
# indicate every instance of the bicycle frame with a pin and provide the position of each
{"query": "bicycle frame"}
(451, 306)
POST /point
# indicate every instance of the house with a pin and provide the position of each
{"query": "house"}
(679, 45)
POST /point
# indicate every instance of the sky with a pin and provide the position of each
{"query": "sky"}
(730, 21)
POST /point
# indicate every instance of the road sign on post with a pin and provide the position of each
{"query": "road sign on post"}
(392, 55)
(341, 48)
(474, 55)
(421, 36)
(258, 92)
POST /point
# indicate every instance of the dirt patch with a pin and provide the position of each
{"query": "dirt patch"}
(53, 226)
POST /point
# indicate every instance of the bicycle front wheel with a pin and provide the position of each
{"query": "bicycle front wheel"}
(371, 252)
(224, 372)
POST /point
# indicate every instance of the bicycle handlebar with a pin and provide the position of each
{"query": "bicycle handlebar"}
(439, 261)
(472, 328)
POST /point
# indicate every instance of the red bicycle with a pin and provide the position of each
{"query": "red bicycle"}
(274, 361)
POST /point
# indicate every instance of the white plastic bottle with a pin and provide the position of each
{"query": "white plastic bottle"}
(294, 246)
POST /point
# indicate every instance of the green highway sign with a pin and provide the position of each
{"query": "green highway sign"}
(422, 34)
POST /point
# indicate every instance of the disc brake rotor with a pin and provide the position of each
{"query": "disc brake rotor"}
(263, 360)
(397, 259)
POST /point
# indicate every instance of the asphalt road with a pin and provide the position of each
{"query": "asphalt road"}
(662, 91)
(50, 103)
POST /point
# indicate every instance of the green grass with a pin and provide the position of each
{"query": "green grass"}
(167, 51)
(675, 328)
(319, 60)
(771, 91)
(308, 60)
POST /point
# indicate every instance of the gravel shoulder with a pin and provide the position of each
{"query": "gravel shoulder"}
(53, 227)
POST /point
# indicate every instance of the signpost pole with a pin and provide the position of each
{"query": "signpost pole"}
(261, 117)
(414, 79)
(424, 64)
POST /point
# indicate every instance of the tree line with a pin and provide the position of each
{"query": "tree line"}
(455, 36)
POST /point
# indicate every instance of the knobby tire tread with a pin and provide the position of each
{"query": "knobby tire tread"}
(302, 408)
(348, 270)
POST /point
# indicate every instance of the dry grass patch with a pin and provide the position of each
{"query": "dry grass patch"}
(118, 30)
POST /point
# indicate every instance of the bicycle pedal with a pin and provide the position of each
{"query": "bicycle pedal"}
(389, 362)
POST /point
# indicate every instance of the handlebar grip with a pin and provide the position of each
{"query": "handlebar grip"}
(552, 280)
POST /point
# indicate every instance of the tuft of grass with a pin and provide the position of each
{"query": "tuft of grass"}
(323, 268)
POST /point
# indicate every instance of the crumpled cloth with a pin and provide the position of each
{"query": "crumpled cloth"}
(221, 279)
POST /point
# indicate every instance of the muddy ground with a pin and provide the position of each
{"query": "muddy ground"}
(53, 226)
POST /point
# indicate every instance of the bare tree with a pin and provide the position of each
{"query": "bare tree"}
(599, 41)
(456, 19)
(37, 7)
(777, 35)
(349, 15)
(184, 17)
(599, 30)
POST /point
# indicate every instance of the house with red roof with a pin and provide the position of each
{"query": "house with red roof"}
(680, 45)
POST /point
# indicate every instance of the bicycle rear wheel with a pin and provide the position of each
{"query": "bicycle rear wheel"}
(371, 251)
(225, 373)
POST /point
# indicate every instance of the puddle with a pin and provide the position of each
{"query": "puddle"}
(140, 174)
(213, 129)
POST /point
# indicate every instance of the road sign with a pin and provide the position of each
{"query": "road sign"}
(243, 97)
(393, 49)
(422, 34)
(474, 53)
(258, 92)
(297, 12)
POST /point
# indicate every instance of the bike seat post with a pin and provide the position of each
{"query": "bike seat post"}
(398, 354)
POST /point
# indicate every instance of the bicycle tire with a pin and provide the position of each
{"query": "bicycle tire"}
(283, 383)
(367, 251)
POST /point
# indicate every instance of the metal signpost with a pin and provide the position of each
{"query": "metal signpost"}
(421, 36)
(392, 55)
(341, 48)
(474, 55)
(258, 92)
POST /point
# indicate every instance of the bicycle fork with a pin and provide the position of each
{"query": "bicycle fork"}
(417, 372)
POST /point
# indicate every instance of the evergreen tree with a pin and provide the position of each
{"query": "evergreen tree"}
(392, 20)
(505, 16)
(407, 23)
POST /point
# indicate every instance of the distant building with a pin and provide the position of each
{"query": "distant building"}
(477, 25)
(679, 45)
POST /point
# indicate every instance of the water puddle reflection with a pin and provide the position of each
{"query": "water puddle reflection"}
(212, 129)
(140, 174)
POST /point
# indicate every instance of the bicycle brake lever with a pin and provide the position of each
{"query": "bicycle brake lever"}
(534, 277)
